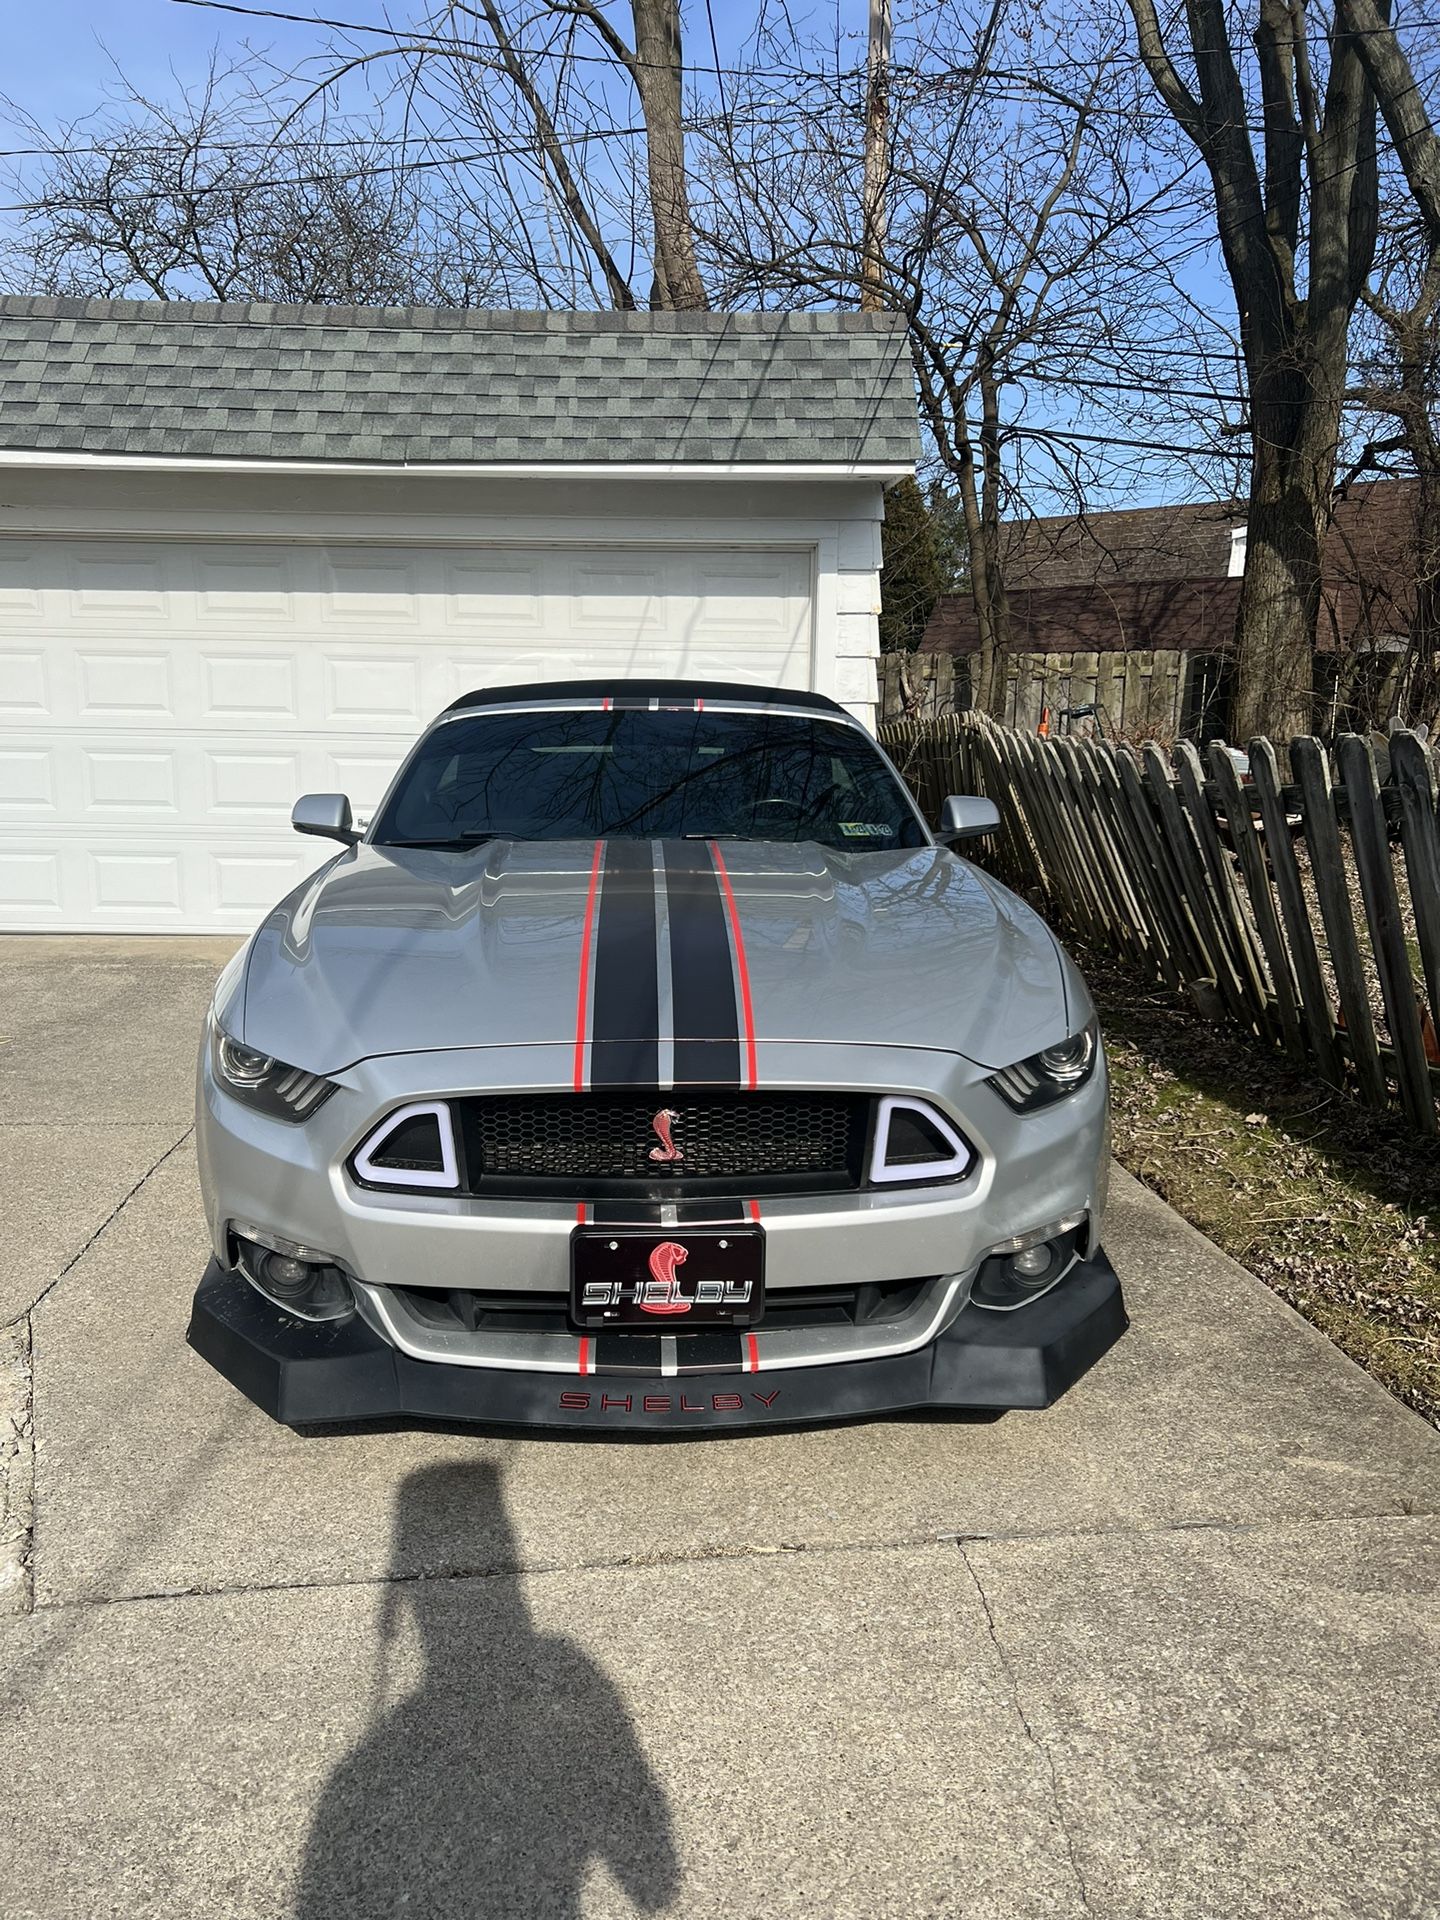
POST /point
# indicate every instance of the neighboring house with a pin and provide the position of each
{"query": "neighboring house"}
(1134, 611)
(248, 552)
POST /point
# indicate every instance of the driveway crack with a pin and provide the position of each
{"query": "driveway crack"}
(1040, 1746)
(17, 1470)
(108, 1221)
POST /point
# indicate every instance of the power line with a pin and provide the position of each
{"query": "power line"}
(456, 44)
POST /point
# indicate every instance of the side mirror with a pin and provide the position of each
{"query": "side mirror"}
(965, 816)
(325, 814)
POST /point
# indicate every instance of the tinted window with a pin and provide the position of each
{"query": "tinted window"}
(643, 775)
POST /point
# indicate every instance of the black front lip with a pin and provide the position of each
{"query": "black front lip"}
(306, 1374)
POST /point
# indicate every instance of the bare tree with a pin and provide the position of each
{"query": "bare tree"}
(1019, 245)
(1293, 172)
(446, 66)
(200, 199)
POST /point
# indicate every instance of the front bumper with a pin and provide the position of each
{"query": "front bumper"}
(306, 1374)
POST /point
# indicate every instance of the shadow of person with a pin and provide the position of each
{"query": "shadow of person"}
(491, 1787)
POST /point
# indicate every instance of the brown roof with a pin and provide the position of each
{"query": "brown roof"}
(1153, 615)
(1183, 542)
(1156, 578)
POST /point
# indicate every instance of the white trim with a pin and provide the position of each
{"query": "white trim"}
(449, 1176)
(489, 469)
(951, 1168)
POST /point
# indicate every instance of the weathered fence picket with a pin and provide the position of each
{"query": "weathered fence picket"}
(1308, 913)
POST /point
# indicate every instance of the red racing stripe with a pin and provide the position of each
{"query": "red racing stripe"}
(754, 1206)
(752, 1354)
(742, 970)
(582, 999)
(585, 1366)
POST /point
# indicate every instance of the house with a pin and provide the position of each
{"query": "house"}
(1134, 611)
(248, 552)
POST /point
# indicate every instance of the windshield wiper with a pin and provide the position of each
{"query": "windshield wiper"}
(454, 842)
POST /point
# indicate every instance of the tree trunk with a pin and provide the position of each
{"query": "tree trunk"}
(987, 679)
(659, 80)
(1279, 593)
(992, 480)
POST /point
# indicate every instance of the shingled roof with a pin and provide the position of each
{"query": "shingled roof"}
(421, 386)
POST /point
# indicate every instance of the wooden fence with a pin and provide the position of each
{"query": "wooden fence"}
(922, 686)
(1305, 910)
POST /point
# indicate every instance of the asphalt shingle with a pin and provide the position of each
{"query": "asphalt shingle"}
(130, 376)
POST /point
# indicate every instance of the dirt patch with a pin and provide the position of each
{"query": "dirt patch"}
(1334, 1206)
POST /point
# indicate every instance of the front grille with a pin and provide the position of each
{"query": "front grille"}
(730, 1142)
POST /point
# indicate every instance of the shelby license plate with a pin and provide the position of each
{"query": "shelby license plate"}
(667, 1279)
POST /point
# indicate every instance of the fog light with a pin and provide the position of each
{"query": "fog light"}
(300, 1280)
(285, 1276)
(1033, 1263)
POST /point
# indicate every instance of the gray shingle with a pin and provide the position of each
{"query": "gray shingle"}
(422, 385)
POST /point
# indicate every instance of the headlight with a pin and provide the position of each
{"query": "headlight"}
(262, 1082)
(1050, 1074)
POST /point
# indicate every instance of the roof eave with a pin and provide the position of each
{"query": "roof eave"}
(472, 469)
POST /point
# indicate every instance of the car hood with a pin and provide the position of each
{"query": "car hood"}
(390, 950)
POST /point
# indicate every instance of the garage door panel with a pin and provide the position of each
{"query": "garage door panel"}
(27, 779)
(126, 585)
(258, 683)
(147, 885)
(20, 583)
(365, 589)
(30, 888)
(242, 783)
(123, 782)
(111, 685)
(374, 689)
(164, 703)
(497, 594)
(24, 682)
(236, 586)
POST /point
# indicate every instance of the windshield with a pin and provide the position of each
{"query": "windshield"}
(647, 775)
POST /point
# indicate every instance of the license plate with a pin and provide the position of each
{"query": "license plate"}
(667, 1280)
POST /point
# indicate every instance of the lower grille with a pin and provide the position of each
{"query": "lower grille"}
(723, 1142)
(479, 1309)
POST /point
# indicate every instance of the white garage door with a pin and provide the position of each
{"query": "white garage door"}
(163, 703)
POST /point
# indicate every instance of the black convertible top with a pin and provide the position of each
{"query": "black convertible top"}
(644, 690)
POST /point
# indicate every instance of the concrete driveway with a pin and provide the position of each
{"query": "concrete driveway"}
(1171, 1648)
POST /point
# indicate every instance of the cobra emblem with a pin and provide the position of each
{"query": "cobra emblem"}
(663, 1295)
(667, 1153)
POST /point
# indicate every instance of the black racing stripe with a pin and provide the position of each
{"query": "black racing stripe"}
(707, 1023)
(639, 703)
(688, 1213)
(625, 1004)
(717, 1352)
(625, 1213)
(628, 1353)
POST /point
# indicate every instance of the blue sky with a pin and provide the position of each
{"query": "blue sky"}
(155, 40)
(55, 59)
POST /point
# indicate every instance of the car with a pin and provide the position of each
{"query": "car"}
(649, 1064)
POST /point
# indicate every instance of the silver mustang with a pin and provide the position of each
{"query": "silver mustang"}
(648, 1063)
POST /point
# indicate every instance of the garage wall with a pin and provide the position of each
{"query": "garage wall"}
(173, 675)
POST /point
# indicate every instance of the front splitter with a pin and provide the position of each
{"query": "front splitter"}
(319, 1375)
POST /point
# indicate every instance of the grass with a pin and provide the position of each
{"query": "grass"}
(1335, 1207)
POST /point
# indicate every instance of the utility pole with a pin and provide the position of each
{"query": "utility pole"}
(877, 159)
